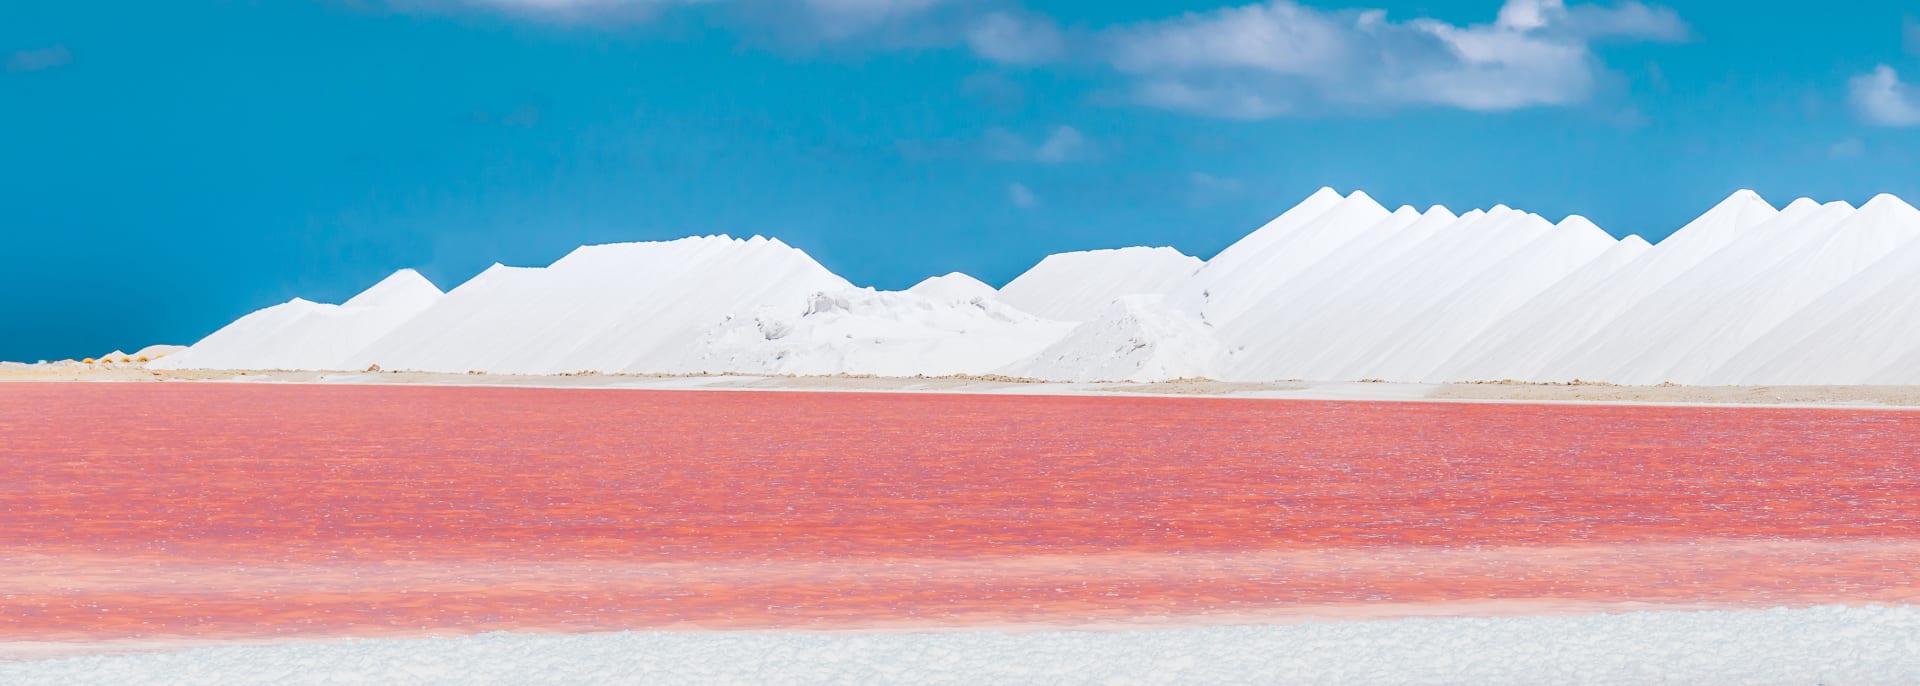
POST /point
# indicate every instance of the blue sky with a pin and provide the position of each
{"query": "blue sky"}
(169, 166)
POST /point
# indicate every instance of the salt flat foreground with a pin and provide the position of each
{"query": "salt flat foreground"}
(1827, 645)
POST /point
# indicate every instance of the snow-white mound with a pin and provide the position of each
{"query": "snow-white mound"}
(1250, 272)
(1734, 313)
(1266, 303)
(1572, 249)
(1336, 288)
(862, 331)
(1532, 343)
(1076, 286)
(1136, 338)
(1824, 645)
(953, 287)
(306, 335)
(626, 307)
(155, 352)
(1847, 336)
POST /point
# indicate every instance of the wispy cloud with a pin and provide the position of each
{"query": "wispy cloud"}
(1847, 149)
(1209, 183)
(1207, 189)
(1016, 38)
(1021, 196)
(582, 11)
(806, 20)
(1062, 144)
(1880, 98)
(1630, 20)
(39, 60)
(1267, 59)
(1280, 57)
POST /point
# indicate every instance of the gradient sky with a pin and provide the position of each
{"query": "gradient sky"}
(168, 166)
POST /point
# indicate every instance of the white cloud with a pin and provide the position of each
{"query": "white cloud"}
(1880, 98)
(1255, 61)
(1209, 183)
(813, 20)
(1021, 196)
(1629, 19)
(1279, 57)
(39, 60)
(1062, 144)
(1206, 189)
(565, 10)
(1015, 39)
(1526, 15)
(1278, 38)
(1230, 99)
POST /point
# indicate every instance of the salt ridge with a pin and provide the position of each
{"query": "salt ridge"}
(1337, 288)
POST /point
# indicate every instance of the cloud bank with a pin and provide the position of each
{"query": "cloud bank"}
(1280, 57)
(1255, 61)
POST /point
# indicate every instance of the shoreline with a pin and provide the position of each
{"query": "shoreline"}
(1577, 393)
(18, 651)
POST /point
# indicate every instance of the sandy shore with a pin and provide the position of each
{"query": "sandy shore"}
(1586, 393)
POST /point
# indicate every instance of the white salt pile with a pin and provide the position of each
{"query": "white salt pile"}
(954, 287)
(1137, 337)
(307, 335)
(862, 331)
(155, 352)
(1337, 288)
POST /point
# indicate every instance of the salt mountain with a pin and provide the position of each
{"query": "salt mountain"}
(1337, 288)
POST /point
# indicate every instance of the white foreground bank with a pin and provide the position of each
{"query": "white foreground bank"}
(1827, 645)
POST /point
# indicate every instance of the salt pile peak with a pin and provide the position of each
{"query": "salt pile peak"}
(1278, 305)
(1853, 334)
(1758, 291)
(953, 286)
(1336, 288)
(1667, 311)
(1531, 344)
(1347, 329)
(623, 307)
(300, 334)
(1236, 280)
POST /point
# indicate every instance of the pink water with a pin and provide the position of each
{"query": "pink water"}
(231, 510)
